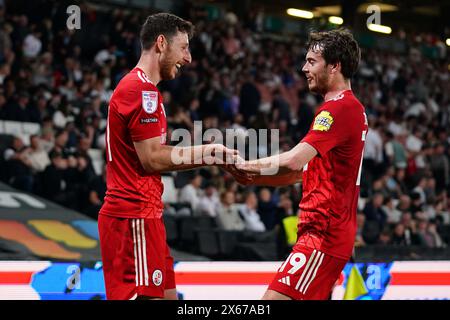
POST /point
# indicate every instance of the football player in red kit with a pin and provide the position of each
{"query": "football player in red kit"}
(328, 160)
(136, 259)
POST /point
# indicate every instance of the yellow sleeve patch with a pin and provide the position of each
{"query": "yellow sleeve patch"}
(323, 121)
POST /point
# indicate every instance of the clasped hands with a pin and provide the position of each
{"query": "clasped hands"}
(230, 161)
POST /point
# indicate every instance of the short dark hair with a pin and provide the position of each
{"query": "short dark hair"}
(163, 23)
(337, 46)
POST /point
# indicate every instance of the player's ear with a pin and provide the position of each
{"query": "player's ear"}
(335, 67)
(161, 43)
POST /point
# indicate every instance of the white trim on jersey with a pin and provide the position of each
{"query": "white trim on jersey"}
(133, 224)
(143, 77)
(108, 140)
(315, 272)
(310, 271)
(144, 252)
(134, 297)
(140, 252)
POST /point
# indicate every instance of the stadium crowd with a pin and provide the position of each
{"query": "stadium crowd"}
(241, 79)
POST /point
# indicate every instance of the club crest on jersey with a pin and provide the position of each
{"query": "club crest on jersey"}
(149, 101)
(323, 121)
(157, 277)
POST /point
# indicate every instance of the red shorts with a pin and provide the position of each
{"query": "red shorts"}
(136, 257)
(307, 274)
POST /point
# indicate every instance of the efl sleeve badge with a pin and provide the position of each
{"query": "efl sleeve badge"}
(323, 121)
(149, 101)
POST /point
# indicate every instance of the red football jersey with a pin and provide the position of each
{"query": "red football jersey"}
(136, 113)
(327, 220)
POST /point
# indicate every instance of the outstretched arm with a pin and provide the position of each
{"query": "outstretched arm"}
(284, 164)
(155, 157)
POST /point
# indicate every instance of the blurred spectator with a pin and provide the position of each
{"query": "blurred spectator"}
(399, 236)
(19, 166)
(359, 239)
(385, 237)
(439, 165)
(395, 149)
(56, 180)
(267, 209)
(209, 202)
(373, 151)
(21, 109)
(191, 192)
(404, 203)
(248, 212)
(37, 156)
(393, 214)
(96, 193)
(228, 216)
(374, 212)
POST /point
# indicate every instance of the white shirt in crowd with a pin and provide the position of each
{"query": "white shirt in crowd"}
(374, 146)
(31, 46)
(190, 195)
(252, 219)
(209, 205)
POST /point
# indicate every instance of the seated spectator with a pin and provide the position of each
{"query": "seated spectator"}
(21, 109)
(56, 179)
(393, 214)
(96, 194)
(385, 237)
(61, 139)
(404, 204)
(420, 190)
(38, 157)
(399, 237)
(267, 209)
(434, 240)
(416, 203)
(209, 202)
(374, 212)
(228, 216)
(422, 236)
(191, 192)
(248, 211)
(359, 239)
(400, 180)
(19, 166)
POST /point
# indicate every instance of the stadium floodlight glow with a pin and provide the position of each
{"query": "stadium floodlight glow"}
(300, 13)
(336, 20)
(448, 41)
(379, 28)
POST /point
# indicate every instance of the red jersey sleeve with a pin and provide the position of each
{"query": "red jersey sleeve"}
(144, 118)
(329, 129)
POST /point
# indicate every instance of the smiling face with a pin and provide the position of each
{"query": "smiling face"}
(175, 55)
(316, 71)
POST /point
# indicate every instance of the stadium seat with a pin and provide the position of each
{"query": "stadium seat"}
(31, 128)
(228, 241)
(170, 223)
(13, 127)
(188, 227)
(187, 231)
(207, 243)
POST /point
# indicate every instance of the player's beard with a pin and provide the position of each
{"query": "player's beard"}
(167, 66)
(321, 83)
